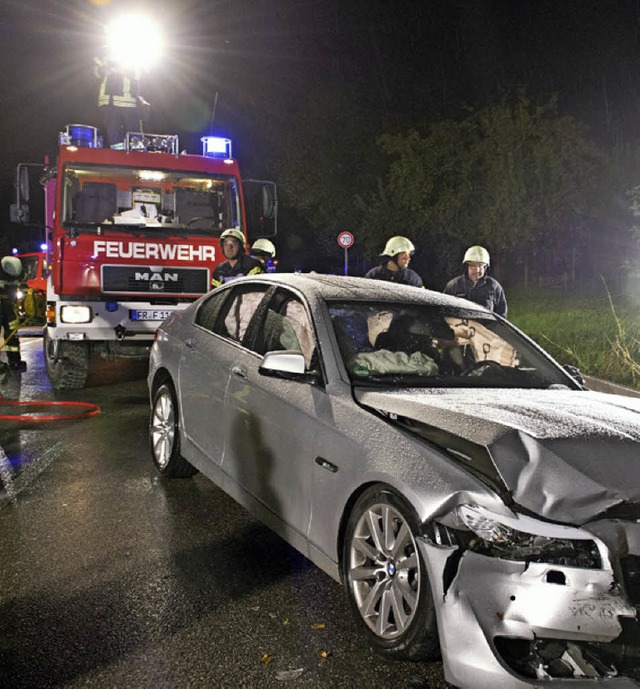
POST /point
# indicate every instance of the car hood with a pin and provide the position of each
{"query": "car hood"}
(566, 455)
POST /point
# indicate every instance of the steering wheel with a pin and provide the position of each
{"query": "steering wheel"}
(480, 367)
(198, 219)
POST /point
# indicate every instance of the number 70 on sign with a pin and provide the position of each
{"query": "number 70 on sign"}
(345, 239)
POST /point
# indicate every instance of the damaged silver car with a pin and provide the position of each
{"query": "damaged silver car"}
(475, 500)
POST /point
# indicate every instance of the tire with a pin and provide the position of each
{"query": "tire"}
(386, 578)
(71, 368)
(164, 439)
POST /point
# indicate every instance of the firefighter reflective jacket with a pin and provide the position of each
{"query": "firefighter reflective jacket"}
(246, 265)
(117, 87)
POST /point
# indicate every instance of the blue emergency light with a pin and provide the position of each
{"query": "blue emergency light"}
(81, 135)
(216, 147)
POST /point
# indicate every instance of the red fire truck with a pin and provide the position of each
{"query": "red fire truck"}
(132, 236)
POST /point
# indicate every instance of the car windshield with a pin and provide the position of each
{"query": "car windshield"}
(405, 344)
(132, 198)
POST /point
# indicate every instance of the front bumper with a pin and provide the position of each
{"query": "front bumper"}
(114, 325)
(502, 623)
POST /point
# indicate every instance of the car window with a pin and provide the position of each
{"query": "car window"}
(484, 343)
(287, 326)
(430, 345)
(298, 320)
(234, 317)
(210, 308)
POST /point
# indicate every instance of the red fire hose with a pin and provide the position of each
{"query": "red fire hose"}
(31, 415)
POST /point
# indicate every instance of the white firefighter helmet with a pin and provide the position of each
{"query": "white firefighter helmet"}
(11, 265)
(264, 246)
(477, 254)
(397, 245)
(235, 233)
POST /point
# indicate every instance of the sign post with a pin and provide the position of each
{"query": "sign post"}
(345, 240)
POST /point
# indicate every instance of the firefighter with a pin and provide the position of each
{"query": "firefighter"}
(394, 267)
(122, 107)
(238, 263)
(475, 285)
(11, 274)
(264, 251)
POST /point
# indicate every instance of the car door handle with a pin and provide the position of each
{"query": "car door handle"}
(239, 371)
(326, 464)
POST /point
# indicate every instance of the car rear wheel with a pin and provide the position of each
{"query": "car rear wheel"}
(164, 438)
(386, 578)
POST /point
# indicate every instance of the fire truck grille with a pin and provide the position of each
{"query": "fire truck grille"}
(154, 280)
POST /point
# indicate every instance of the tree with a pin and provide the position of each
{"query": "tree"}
(512, 176)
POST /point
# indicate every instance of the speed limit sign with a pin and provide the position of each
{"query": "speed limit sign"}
(345, 239)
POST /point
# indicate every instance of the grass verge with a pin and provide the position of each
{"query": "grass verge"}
(600, 334)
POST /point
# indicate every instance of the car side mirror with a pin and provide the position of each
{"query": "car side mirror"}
(574, 372)
(261, 208)
(287, 364)
(23, 212)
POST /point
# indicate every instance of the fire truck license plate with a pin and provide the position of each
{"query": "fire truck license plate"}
(149, 315)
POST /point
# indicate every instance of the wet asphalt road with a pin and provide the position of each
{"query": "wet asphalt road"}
(112, 577)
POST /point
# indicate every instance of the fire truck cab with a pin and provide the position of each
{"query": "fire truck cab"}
(132, 236)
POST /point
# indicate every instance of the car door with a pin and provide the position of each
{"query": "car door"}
(208, 355)
(273, 425)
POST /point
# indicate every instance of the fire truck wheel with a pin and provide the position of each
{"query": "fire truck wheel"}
(164, 438)
(69, 370)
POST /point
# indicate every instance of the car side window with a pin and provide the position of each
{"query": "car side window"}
(237, 312)
(210, 308)
(301, 332)
(287, 327)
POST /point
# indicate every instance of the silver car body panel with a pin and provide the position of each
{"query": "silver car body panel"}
(562, 460)
(491, 598)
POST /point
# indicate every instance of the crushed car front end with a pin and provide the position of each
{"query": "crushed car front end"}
(523, 602)
(541, 587)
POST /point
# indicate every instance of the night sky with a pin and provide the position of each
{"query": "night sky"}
(415, 58)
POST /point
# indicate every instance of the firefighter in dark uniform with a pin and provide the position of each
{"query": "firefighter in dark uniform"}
(119, 101)
(11, 274)
(238, 263)
(396, 256)
(475, 285)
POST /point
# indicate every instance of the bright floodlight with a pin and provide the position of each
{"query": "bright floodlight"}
(134, 41)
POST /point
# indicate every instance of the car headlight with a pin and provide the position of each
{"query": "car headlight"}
(528, 539)
(75, 314)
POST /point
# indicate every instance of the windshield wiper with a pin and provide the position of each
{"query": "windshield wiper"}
(402, 381)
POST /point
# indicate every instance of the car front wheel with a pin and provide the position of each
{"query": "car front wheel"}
(164, 438)
(386, 578)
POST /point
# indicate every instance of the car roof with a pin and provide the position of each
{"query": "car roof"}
(339, 287)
